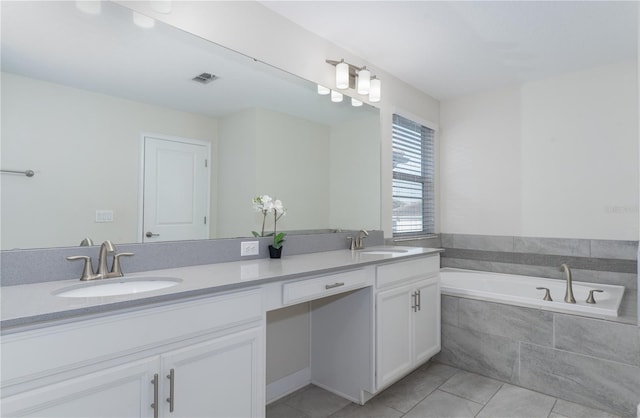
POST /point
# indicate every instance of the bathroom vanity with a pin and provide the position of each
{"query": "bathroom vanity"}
(198, 348)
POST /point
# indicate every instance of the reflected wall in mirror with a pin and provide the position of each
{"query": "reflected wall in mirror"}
(75, 109)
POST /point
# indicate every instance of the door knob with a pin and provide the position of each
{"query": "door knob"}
(150, 234)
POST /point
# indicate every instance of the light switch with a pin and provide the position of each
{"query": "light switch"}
(249, 248)
(103, 215)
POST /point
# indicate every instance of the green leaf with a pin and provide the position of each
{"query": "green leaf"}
(255, 234)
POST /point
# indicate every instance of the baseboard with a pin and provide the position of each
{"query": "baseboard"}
(288, 384)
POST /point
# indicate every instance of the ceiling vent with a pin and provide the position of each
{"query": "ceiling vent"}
(204, 78)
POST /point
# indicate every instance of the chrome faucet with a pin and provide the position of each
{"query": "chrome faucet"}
(106, 249)
(568, 296)
(357, 243)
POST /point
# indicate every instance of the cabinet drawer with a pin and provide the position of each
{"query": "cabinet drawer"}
(318, 287)
(394, 274)
(30, 354)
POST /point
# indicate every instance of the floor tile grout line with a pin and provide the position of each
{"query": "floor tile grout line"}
(492, 396)
(552, 406)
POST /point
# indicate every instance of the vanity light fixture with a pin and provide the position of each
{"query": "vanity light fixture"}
(375, 90)
(342, 75)
(323, 91)
(336, 96)
(364, 81)
(143, 21)
(92, 7)
(358, 78)
(355, 102)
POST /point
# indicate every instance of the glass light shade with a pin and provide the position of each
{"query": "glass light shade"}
(364, 81)
(375, 90)
(355, 102)
(323, 91)
(143, 21)
(336, 96)
(92, 7)
(342, 75)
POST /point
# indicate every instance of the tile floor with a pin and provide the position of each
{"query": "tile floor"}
(434, 390)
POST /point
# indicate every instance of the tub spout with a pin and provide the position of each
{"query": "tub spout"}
(568, 296)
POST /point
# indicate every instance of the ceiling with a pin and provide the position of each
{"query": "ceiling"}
(449, 49)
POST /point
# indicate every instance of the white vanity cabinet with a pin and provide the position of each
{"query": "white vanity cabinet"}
(203, 357)
(407, 317)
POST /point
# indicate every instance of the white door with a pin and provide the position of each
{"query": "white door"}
(427, 321)
(218, 378)
(123, 391)
(175, 189)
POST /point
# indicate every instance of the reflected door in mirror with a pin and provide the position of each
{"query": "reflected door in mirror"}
(176, 189)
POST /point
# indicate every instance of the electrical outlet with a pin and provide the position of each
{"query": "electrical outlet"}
(249, 248)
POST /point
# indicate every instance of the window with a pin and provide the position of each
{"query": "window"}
(413, 212)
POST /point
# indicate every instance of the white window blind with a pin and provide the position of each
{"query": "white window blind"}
(413, 212)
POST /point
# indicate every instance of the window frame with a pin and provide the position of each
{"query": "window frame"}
(427, 178)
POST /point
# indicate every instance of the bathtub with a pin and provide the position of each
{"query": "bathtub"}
(517, 290)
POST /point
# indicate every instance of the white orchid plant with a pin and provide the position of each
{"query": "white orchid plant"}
(266, 205)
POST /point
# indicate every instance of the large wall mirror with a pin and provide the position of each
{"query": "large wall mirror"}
(81, 90)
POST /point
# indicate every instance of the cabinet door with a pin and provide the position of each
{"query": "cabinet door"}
(427, 321)
(122, 391)
(393, 335)
(223, 377)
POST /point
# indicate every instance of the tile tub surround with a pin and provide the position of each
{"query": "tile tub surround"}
(594, 261)
(50, 264)
(588, 361)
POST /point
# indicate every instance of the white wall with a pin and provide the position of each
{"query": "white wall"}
(552, 158)
(78, 125)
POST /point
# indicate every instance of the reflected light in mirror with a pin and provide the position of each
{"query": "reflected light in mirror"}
(143, 21)
(336, 97)
(355, 102)
(92, 7)
(323, 91)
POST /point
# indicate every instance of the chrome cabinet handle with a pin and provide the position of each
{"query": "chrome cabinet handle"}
(171, 399)
(414, 304)
(331, 286)
(419, 300)
(590, 299)
(155, 405)
(150, 234)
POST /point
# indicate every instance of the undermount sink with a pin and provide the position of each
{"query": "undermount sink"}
(116, 287)
(383, 251)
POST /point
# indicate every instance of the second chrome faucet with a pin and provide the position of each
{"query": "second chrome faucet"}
(106, 249)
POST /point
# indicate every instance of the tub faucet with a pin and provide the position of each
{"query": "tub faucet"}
(568, 296)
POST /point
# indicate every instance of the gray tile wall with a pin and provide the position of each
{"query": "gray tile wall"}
(591, 260)
(588, 361)
(50, 264)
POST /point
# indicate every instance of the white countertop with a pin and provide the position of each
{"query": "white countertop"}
(33, 304)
